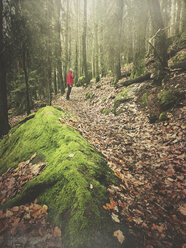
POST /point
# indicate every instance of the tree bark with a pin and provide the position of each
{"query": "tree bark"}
(84, 38)
(119, 5)
(77, 37)
(161, 39)
(4, 126)
(26, 81)
(136, 80)
(59, 51)
(55, 81)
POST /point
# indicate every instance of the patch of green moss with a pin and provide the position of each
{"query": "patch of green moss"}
(64, 184)
(179, 58)
(106, 111)
(89, 95)
(104, 99)
(144, 99)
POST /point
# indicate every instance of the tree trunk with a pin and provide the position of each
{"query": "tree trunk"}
(66, 41)
(4, 126)
(25, 69)
(55, 81)
(119, 5)
(77, 37)
(160, 44)
(84, 38)
(59, 50)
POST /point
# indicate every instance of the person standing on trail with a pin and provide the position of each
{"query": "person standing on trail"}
(69, 83)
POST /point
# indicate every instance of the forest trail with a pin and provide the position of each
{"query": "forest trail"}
(148, 158)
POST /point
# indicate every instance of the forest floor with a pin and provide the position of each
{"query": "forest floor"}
(148, 158)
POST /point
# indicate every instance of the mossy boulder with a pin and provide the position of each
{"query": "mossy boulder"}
(64, 185)
(81, 81)
(169, 98)
(126, 95)
(163, 116)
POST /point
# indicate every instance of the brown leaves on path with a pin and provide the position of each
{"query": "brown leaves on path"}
(12, 181)
(25, 225)
(148, 159)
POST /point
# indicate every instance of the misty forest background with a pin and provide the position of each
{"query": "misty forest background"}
(40, 40)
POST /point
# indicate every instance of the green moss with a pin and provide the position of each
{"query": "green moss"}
(144, 99)
(104, 99)
(106, 111)
(179, 58)
(64, 184)
(89, 95)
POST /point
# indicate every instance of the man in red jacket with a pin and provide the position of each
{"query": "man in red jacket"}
(69, 83)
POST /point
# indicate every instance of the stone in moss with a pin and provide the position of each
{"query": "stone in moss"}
(169, 98)
(153, 118)
(64, 184)
(163, 116)
(121, 98)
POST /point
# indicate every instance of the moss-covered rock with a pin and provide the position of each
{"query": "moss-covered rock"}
(81, 81)
(126, 95)
(169, 98)
(163, 116)
(64, 185)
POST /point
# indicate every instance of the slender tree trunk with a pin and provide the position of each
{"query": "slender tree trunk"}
(160, 39)
(103, 72)
(66, 41)
(4, 126)
(77, 37)
(59, 50)
(25, 69)
(55, 81)
(120, 5)
(183, 16)
(84, 38)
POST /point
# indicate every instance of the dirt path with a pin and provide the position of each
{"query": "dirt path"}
(149, 160)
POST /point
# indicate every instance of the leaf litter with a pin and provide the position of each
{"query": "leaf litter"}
(25, 225)
(148, 159)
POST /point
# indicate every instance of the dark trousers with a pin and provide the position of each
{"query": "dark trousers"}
(68, 92)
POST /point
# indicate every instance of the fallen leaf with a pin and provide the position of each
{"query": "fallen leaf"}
(182, 209)
(119, 235)
(57, 232)
(71, 155)
(115, 218)
(8, 214)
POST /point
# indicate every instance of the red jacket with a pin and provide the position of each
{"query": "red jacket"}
(70, 78)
